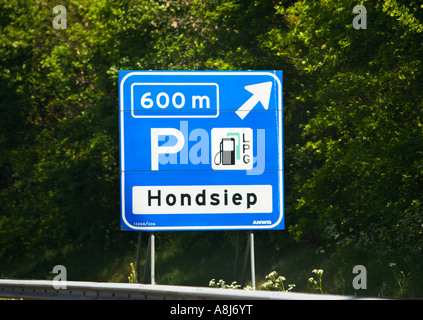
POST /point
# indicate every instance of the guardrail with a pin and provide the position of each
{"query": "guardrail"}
(78, 290)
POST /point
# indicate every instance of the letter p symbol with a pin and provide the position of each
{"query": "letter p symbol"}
(156, 149)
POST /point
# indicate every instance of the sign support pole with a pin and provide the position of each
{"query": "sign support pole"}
(244, 266)
(253, 269)
(152, 250)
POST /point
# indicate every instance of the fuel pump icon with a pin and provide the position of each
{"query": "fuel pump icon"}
(226, 154)
(232, 148)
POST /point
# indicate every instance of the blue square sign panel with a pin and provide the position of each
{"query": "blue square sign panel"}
(201, 150)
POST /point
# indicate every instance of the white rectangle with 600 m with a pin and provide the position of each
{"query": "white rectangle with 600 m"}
(202, 199)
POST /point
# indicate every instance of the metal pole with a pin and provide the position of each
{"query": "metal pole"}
(253, 268)
(152, 258)
(244, 266)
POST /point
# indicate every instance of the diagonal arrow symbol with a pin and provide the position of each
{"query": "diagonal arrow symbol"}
(261, 92)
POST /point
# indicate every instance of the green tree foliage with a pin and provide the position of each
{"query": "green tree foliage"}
(359, 169)
(362, 144)
(352, 117)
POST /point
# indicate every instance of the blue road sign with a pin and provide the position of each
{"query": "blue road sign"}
(201, 150)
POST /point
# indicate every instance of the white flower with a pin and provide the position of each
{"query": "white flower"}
(281, 278)
(318, 271)
(272, 274)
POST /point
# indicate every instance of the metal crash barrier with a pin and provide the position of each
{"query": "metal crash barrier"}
(79, 290)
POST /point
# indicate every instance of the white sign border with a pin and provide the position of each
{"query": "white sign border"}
(208, 73)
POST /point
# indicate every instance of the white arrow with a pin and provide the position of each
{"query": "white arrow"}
(261, 92)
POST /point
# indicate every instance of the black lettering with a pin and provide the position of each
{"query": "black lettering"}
(245, 147)
(150, 197)
(169, 201)
(201, 195)
(251, 199)
(183, 196)
(246, 158)
(236, 199)
(226, 197)
(215, 199)
(243, 139)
